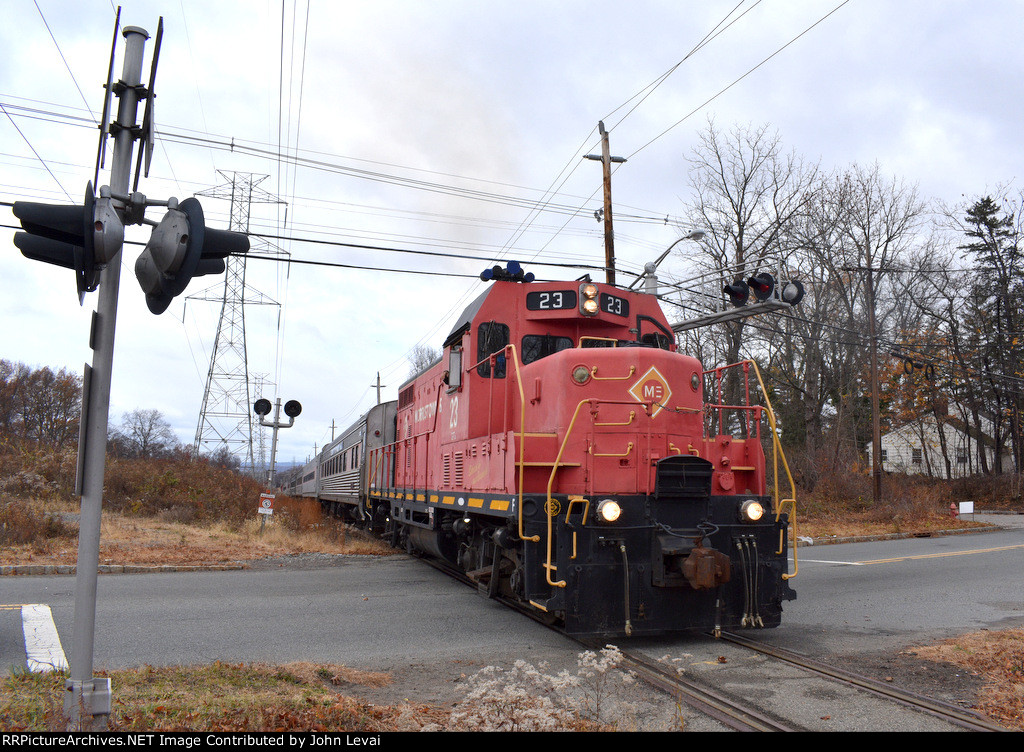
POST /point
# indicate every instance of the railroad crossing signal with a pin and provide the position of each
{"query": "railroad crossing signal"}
(180, 248)
(82, 237)
(767, 296)
(763, 287)
(738, 292)
(262, 407)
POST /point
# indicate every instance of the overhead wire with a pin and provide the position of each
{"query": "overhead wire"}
(737, 80)
(224, 143)
(34, 151)
(64, 59)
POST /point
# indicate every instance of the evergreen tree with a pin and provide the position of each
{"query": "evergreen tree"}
(995, 317)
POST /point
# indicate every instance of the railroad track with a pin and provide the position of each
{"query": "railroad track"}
(739, 715)
(730, 713)
(734, 714)
(950, 713)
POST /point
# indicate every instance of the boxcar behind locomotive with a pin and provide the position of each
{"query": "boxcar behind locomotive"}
(561, 453)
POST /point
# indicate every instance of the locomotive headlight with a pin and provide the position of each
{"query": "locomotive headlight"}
(751, 510)
(588, 299)
(608, 510)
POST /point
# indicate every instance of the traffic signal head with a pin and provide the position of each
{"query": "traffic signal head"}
(793, 292)
(738, 292)
(762, 285)
(84, 238)
(180, 248)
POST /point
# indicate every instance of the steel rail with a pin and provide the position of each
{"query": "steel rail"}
(946, 711)
(727, 711)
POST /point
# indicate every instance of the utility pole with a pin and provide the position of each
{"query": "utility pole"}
(606, 159)
(379, 386)
(876, 428)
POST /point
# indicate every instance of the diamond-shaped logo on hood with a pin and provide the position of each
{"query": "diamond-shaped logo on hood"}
(652, 387)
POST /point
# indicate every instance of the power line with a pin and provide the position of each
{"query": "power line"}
(64, 59)
(722, 91)
(38, 156)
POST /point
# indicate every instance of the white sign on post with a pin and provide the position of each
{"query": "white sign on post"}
(266, 504)
(966, 507)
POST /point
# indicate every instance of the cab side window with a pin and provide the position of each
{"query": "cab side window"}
(491, 337)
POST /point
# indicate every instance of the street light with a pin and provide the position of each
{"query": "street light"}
(652, 266)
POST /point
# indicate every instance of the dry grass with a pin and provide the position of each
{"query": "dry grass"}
(998, 657)
(131, 539)
(847, 524)
(218, 697)
(313, 697)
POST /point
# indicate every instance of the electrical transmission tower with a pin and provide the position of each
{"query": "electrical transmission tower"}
(225, 420)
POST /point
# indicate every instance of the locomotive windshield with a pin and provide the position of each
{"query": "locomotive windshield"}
(537, 346)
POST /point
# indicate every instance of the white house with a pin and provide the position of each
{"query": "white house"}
(917, 448)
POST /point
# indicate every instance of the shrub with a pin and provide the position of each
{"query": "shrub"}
(528, 698)
(20, 524)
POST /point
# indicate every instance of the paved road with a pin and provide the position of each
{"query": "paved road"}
(875, 595)
(359, 612)
(397, 612)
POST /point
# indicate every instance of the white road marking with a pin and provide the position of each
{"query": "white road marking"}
(42, 643)
(837, 563)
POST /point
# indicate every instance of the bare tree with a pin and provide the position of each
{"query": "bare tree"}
(747, 194)
(39, 405)
(421, 358)
(144, 434)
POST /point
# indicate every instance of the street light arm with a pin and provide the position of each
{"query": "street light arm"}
(650, 268)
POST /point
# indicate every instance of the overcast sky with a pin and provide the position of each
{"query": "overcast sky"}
(437, 127)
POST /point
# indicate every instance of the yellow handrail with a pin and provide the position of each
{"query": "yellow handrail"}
(593, 374)
(520, 463)
(776, 453)
(554, 469)
(629, 448)
(551, 482)
(632, 415)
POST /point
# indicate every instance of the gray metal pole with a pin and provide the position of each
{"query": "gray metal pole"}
(87, 699)
(273, 444)
(272, 480)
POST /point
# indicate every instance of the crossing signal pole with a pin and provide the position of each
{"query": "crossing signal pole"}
(87, 699)
(292, 408)
(89, 239)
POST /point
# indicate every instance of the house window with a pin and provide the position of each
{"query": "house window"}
(885, 455)
(916, 456)
(961, 456)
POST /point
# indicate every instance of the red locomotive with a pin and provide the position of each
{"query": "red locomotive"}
(561, 453)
